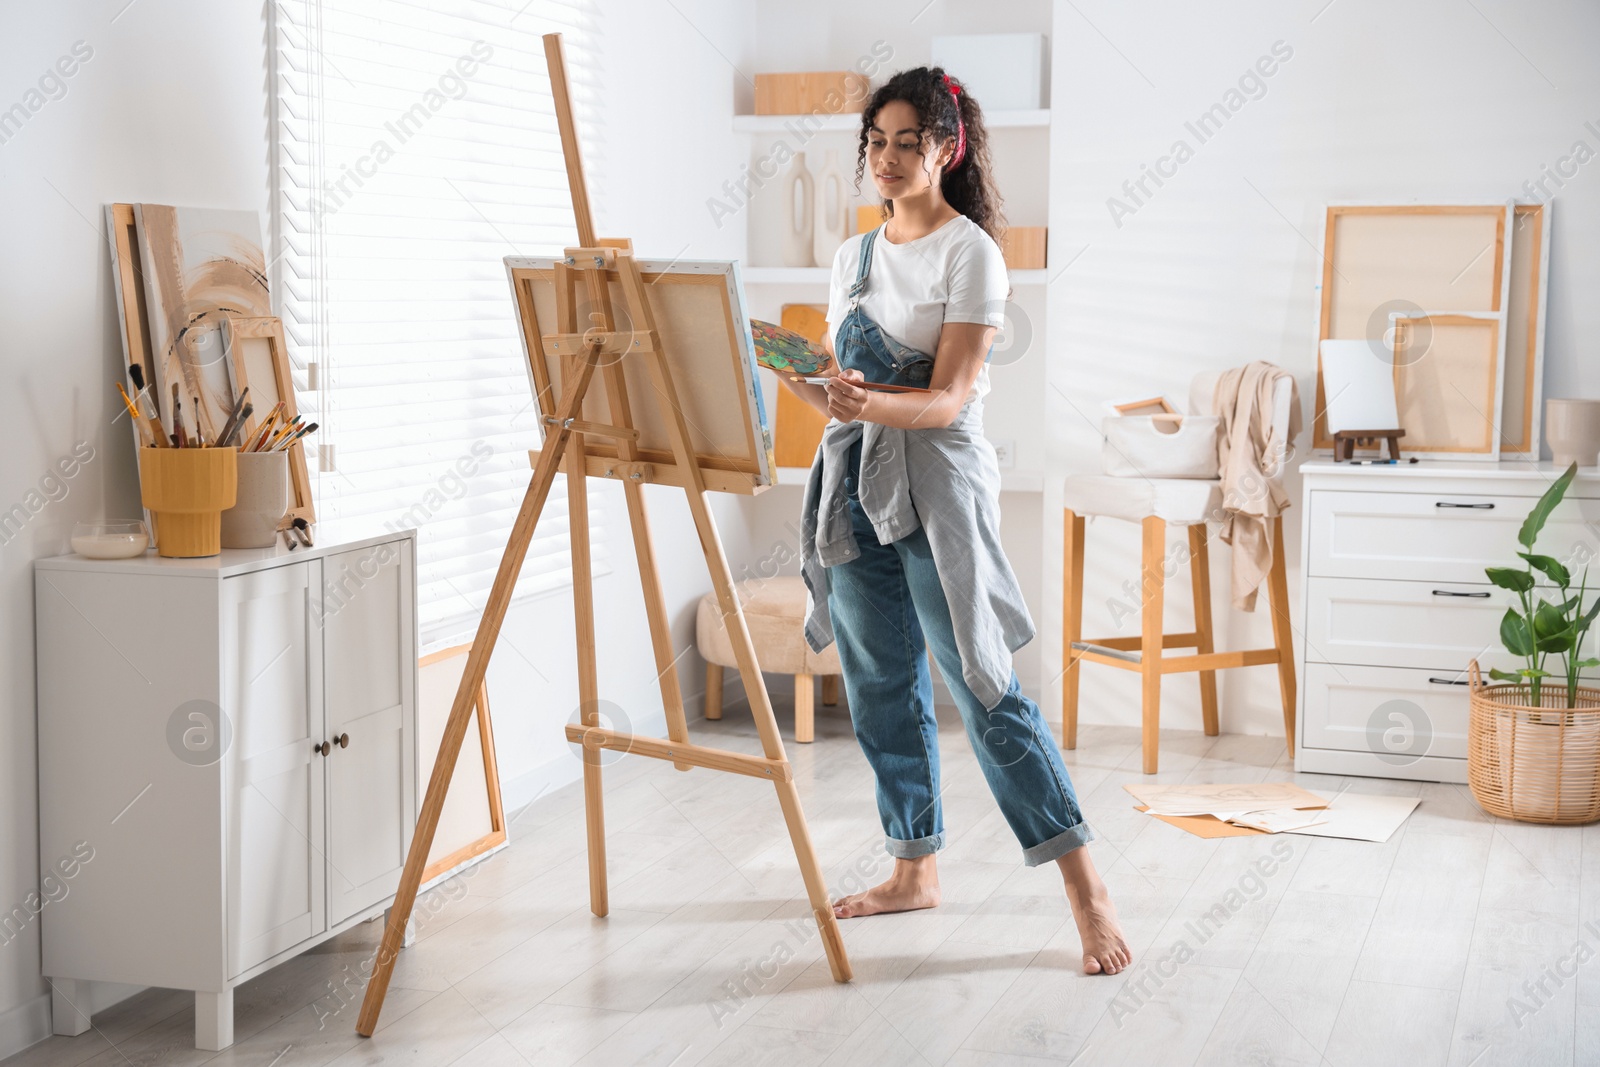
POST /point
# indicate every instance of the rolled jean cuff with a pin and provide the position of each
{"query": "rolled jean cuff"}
(910, 850)
(1058, 845)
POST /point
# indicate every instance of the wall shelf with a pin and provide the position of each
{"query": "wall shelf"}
(850, 122)
(821, 276)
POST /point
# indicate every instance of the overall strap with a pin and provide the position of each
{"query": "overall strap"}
(865, 264)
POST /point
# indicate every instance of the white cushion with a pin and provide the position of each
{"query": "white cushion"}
(774, 613)
(1180, 501)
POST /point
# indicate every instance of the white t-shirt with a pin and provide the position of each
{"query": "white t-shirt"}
(954, 274)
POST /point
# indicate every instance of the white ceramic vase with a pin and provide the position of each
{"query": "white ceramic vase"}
(1572, 429)
(799, 208)
(262, 502)
(833, 210)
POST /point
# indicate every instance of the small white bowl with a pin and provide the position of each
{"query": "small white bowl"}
(110, 540)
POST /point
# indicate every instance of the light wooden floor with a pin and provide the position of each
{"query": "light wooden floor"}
(1347, 954)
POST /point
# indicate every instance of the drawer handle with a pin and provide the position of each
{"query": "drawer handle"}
(1446, 592)
(343, 740)
(1449, 681)
(322, 749)
(1447, 504)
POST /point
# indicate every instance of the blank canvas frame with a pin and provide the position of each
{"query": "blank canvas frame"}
(466, 830)
(1426, 264)
(699, 311)
(258, 358)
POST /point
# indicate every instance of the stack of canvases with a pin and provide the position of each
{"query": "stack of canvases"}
(1453, 295)
(198, 331)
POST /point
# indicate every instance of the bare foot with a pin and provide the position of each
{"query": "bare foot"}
(1105, 950)
(913, 885)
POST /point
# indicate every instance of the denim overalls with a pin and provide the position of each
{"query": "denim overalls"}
(888, 607)
(860, 345)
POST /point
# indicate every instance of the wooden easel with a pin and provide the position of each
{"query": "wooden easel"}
(1346, 441)
(592, 346)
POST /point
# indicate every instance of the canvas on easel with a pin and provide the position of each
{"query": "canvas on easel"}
(592, 325)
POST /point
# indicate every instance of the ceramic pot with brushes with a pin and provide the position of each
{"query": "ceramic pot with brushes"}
(262, 502)
(187, 490)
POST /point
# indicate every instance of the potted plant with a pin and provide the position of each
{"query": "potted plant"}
(1533, 747)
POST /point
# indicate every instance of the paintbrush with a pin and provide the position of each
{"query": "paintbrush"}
(294, 437)
(238, 425)
(259, 435)
(152, 422)
(288, 428)
(199, 433)
(179, 438)
(139, 425)
(233, 417)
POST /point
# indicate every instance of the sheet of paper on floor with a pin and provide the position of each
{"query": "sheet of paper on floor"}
(1280, 820)
(1222, 799)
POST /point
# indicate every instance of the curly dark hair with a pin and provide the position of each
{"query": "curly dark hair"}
(969, 187)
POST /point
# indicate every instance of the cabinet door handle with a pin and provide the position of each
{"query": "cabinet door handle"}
(1449, 681)
(343, 740)
(1446, 592)
(322, 749)
(1447, 504)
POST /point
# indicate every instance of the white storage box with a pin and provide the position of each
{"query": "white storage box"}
(1157, 446)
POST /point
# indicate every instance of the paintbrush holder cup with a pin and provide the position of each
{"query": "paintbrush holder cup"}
(262, 502)
(188, 489)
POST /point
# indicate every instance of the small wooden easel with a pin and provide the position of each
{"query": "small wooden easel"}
(1346, 441)
(585, 348)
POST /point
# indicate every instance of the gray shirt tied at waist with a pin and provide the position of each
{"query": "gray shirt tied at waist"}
(946, 481)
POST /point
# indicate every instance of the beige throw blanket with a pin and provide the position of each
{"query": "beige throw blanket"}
(1246, 450)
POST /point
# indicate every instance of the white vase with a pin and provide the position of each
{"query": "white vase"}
(799, 208)
(1572, 429)
(833, 210)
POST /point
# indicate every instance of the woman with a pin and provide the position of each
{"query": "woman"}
(905, 551)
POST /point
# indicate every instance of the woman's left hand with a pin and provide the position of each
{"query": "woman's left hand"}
(846, 402)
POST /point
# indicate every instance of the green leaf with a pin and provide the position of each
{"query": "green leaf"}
(1534, 672)
(1550, 566)
(1548, 620)
(1547, 503)
(1514, 634)
(1562, 642)
(1503, 676)
(1509, 578)
(1591, 662)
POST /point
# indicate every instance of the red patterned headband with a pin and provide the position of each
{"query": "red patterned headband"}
(961, 129)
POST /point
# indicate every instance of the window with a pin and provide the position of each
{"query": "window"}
(415, 146)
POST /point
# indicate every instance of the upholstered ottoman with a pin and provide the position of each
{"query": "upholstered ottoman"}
(774, 611)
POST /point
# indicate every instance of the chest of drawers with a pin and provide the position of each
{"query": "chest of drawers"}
(1396, 603)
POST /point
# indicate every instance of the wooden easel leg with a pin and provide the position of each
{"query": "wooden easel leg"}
(1152, 579)
(1282, 632)
(1200, 582)
(655, 604)
(1071, 624)
(713, 690)
(830, 689)
(594, 797)
(466, 702)
(804, 708)
(755, 686)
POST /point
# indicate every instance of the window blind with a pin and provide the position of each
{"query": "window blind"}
(415, 147)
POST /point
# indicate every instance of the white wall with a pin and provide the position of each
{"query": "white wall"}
(172, 107)
(1408, 103)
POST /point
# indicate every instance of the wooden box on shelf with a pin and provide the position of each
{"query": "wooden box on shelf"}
(1023, 247)
(830, 92)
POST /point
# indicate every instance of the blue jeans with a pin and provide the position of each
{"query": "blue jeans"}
(886, 605)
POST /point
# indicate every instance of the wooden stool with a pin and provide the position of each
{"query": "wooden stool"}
(774, 612)
(1154, 503)
(1143, 653)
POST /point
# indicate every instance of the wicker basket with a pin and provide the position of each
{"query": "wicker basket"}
(1534, 764)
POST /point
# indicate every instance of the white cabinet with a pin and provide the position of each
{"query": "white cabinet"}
(233, 741)
(1397, 603)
